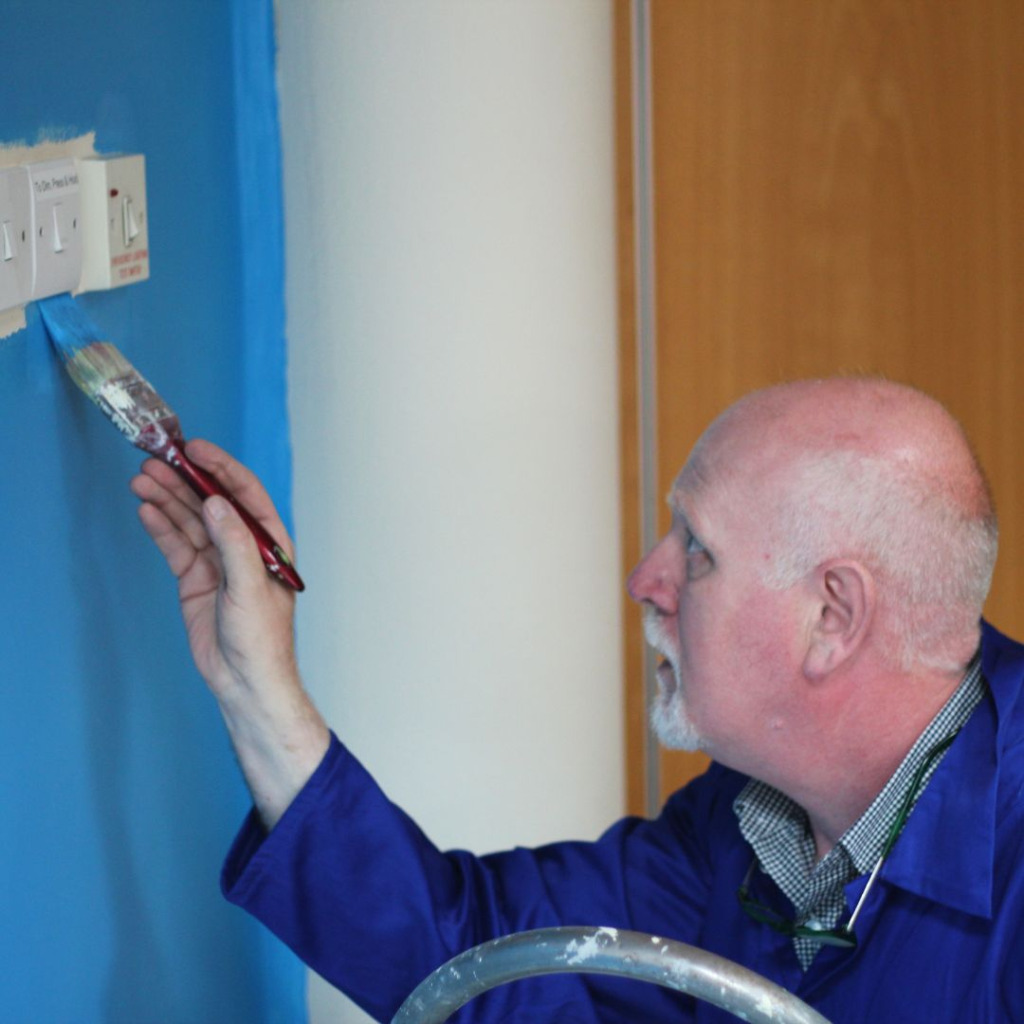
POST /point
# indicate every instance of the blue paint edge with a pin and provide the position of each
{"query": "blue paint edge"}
(266, 446)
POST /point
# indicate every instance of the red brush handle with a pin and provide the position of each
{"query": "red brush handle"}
(205, 485)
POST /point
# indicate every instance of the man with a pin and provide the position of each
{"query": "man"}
(859, 838)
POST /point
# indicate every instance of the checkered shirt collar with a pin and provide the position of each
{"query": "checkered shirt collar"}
(778, 830)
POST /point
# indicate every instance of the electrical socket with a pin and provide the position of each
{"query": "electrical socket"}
(56, 227)
(15, 237)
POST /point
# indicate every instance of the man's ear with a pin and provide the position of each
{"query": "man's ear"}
(844, 595)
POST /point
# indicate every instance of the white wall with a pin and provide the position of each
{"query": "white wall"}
(449, 201)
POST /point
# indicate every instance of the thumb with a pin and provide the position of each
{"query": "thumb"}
(240, 557)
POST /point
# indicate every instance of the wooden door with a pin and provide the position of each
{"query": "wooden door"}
(838, 186)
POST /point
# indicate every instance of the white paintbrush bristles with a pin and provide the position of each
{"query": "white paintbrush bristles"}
(128, 399)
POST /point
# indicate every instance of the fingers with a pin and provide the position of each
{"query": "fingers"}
(172, 516)
(243, 485)
(188, 531)
(181, 554)
(244, 572)
(161, 487)
(206, 545)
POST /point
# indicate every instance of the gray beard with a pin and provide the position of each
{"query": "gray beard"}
(669, 719)
(671, 722)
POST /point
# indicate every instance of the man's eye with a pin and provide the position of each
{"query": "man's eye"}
(698, 561)
(693, 546)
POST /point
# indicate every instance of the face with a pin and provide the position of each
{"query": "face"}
(730, 645)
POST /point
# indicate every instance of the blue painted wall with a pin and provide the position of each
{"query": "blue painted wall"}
(118, 792)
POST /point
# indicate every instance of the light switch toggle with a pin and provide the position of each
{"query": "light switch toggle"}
(58, 242)
(129, 225)
(7, 252)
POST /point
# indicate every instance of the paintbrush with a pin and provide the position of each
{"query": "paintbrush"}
(132, 404)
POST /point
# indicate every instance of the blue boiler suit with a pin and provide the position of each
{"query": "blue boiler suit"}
(351, 884)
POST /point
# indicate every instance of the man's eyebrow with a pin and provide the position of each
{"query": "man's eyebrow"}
(695, 472)
(675, 506)
(690, 518)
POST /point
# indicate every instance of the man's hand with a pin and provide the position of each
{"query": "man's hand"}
(239, 621)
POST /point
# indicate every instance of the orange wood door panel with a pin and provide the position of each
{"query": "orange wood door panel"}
(838, 187)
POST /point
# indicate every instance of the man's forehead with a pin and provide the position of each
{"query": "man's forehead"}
(724, 476)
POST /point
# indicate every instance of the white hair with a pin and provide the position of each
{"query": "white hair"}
(931, 555)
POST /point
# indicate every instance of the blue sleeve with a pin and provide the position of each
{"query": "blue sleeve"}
(357, 890)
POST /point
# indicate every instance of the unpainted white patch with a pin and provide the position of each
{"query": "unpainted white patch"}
(11, 320)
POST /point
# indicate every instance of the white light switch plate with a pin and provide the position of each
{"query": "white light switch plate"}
(15, 238)
(56, 227)
(116, 221)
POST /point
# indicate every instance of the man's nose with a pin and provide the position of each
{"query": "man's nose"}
(657, 579)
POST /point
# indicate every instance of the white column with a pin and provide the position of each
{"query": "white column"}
(449, 202)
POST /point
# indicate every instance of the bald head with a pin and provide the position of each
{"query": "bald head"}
(866, 416)
(870, 470)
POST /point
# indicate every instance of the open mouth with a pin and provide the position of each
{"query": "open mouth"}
(666, 677)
